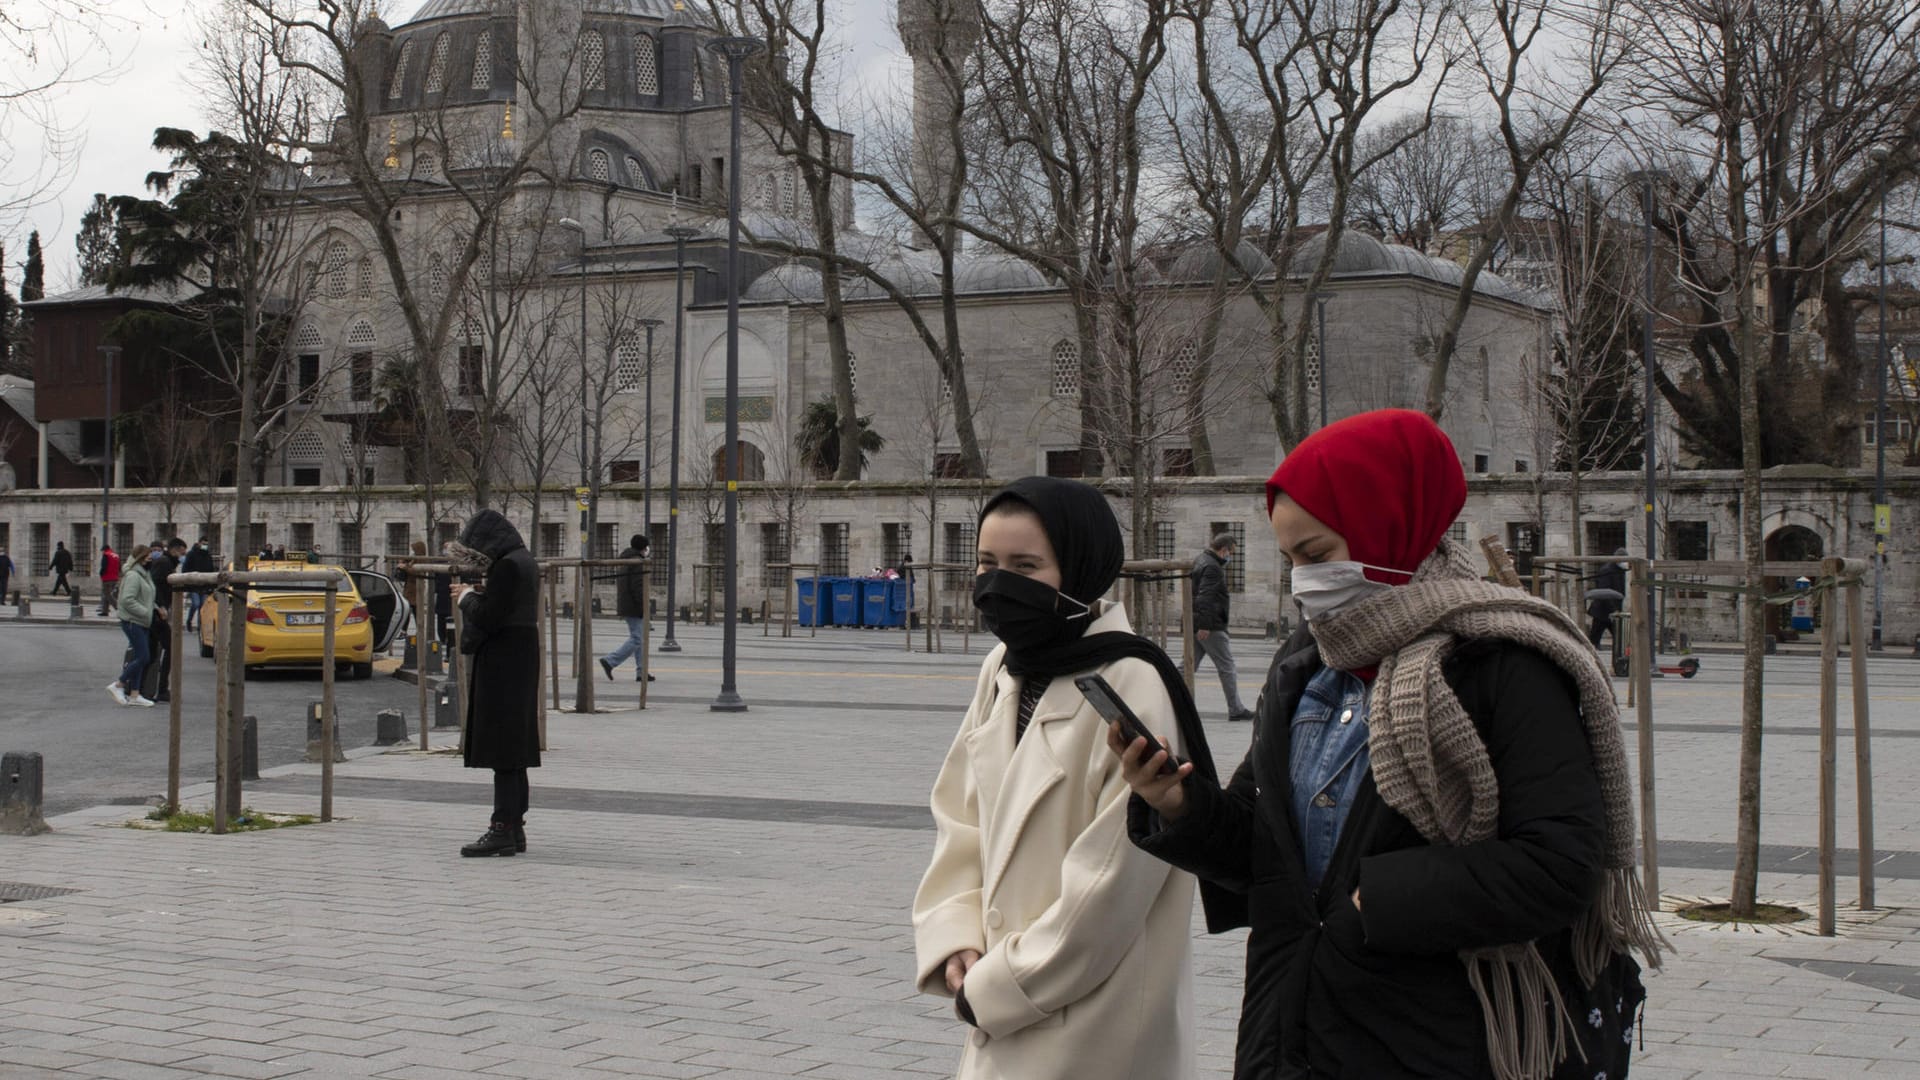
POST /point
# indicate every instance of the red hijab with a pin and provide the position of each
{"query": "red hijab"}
(1389, 482)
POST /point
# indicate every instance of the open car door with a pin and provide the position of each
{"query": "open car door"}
(389, 609)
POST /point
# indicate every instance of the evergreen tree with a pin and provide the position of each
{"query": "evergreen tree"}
(33, 279)
(98, 242)
(6, 317)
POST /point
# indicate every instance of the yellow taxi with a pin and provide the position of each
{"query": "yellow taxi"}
(286, 623)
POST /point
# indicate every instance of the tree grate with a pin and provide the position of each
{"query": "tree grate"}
(15, 891)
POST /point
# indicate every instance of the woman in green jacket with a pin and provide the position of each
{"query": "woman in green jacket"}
(135, 609)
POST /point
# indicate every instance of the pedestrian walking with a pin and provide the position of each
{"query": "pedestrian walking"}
(1433, 827)
(6, 573)
(1211, 604)
(164, 562)
(199, 561)
(1066, 950)
(1605, 599)
(502, 641)
(630, 603)
(61, 566)
(109, 578)
(134, 606)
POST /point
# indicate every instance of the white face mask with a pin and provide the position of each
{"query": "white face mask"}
(1320, 589)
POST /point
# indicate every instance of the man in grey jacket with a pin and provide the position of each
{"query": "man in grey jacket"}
(1210, 608)
(630, 603)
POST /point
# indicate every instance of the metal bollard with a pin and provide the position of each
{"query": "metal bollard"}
(410, 659)
(22, 781)
(73, 606)
(249, 748)
(434, 664)
(26, 605)
(566, 609)
(314, 711)
(389, 727)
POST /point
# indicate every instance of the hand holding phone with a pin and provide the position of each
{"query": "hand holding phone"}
(1100, 694)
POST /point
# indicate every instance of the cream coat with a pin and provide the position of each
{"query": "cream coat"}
(1086, 941)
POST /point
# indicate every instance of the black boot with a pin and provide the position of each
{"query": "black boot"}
(497, 840)
(519, 838)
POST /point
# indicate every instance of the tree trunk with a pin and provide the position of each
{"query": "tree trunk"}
(236, 613)
(1746, 860)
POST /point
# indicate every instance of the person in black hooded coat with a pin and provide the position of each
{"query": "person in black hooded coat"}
(502, 644)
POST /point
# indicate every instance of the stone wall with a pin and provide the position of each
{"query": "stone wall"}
(1834, 506)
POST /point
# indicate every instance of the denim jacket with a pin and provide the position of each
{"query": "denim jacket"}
(1329, 756)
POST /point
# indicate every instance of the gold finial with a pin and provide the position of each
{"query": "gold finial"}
(373, 10)
(393, 145)
(506, 122)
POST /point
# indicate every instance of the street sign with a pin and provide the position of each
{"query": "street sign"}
(1882, 519)
(581, 494)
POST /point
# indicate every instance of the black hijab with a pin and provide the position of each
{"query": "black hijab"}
(1087, 543)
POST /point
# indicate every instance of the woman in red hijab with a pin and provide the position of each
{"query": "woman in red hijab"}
(1433, 828)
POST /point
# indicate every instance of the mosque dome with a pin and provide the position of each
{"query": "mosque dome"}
(1361, 256)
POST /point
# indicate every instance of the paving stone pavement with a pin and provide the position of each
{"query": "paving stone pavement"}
(715, 895)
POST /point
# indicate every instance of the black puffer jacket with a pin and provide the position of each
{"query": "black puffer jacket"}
(504, 702)
(1379, 993)
(1210, 599)
(630, 597)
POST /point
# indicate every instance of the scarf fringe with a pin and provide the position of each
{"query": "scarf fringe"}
(1620, 920)
(1526, 1018)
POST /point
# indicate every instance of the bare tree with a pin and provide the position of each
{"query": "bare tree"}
(45, 48)
(1534, 115)
(1427, 181)
(1764, 116)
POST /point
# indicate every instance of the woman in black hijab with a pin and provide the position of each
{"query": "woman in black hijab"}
(1063, 947)
(501, 643)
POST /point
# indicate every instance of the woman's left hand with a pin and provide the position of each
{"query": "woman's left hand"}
(1356, 899)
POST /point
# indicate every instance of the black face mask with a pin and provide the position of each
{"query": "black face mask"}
(1025, 613)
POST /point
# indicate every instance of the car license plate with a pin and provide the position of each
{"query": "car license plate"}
(300, 619)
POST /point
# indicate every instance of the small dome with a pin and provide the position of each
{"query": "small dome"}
(1361, 256)
(1202, 260)
(996, 271)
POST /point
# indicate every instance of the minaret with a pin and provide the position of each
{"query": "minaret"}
(936, 33)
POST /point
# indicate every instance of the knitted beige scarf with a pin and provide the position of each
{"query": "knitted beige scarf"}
(1431, 766)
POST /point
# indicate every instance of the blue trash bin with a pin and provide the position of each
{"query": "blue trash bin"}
(808, 596)
(885, 602)
(845, 596)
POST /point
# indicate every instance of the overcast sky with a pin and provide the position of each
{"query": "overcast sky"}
(145, 53)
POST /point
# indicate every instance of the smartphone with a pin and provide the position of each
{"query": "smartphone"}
(1101, 696)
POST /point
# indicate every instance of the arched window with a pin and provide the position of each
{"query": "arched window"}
(436, 277)
(593, 60)
(365, 283)
(646, 65)
(753, 463)
(629, 363)
(399, 83)
(769, 194)
(1066, 369)
(483, 61)
(334, 264)
(699, 89)
(308, 339)
(599, 165)
(1183, 371)
(636, 173)
(360, 333)
(789, 193)
(481, 276)
(437, 64)
(853, 372)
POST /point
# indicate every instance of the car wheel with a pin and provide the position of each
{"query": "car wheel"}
(206, 651)
(363, 670)
(250, 673)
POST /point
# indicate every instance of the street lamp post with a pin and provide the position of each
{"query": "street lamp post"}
(681, 234)
(646, 511)
(583, 619)
(1320, 302)
(1882, 514)
(1646, 178)
(110, 355)
(736, 50)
